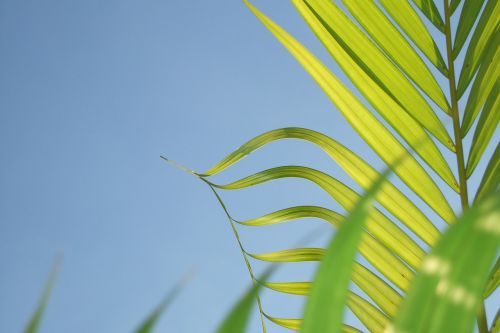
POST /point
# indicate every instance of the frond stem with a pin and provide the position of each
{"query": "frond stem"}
(464, 199)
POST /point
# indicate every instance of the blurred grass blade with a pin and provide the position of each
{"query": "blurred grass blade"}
(325, 306)
(148, 325)
(34, 323)
(486, 126)
(485, 84)
(493, 280)
(468, 16)
(379, 225)
(370, 129)
(406, 17)
(491, 178)
(429, 9)
(388, 37)
(486, 32)
(454, 274)
(237, 320)
(390, 197)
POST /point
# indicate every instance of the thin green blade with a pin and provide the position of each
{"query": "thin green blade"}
(468, 16)
(486, 32)
(491, 178)
(237, 320)
(325, 306)
(34, 322)
(486, 126)
(148, 325)
(429, 9)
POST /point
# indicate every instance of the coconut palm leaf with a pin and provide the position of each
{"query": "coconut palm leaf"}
(391, 53)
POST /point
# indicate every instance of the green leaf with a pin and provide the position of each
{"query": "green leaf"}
(493, 280)
(488, 122)
(365, 123)
(388, 37)
(484, 33)
(409, 21)
(325, 306)
(485, 84)
(34, 323)
(491, 178)
(468, 16)
(453, 5)
(390, 197)
(495, 328)
(379, 226)
(407, 127)
(447, 292)
(237, 320)
(151, 320)
(429, 9)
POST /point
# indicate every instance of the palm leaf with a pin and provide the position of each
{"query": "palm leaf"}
(369, 128)
(491, 178)
(429, 9)
(468, 16)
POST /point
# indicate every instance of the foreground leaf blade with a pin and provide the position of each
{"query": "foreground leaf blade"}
(454, 275)
(325, 306)
(148, 325)
(237, 320)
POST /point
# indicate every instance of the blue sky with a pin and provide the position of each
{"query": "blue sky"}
(91, 94)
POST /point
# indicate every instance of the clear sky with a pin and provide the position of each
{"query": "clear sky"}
(91, 94)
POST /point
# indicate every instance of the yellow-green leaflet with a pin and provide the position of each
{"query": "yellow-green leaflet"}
(448, 291)
(468, 16)
(406, 126)
(294, 324)
(406, 17)
(390, 197)
(369, 128)
(429, 9)
(376, 64)
(495, 328)
(483, 35)
(491, 177)
(386, 231)
(325, 305)
(378, 255)
(369, 315)
(485, 84)
(388, 37)
(488, 122)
